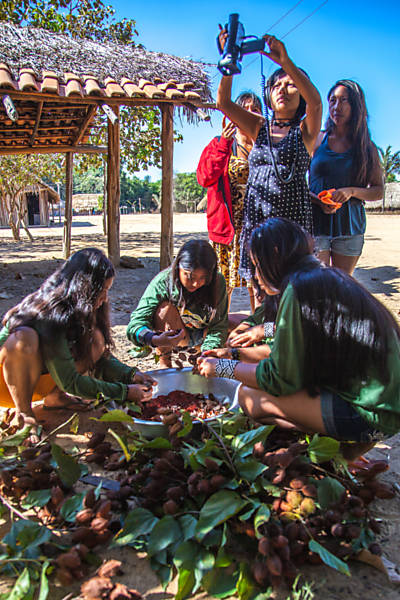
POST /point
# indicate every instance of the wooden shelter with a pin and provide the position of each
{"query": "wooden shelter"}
(38, 202)
(56, 85)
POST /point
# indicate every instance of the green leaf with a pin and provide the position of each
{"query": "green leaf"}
(186, 555)
(244, 442)
(121, 443)
(74, 427)
(245, 584)
(36, 498)
(138, 522)
(328, 558)
(222, 559)
(71, 507)
(21, 589)
(44, 584)
(165, 532)
(115, 416)
(330, 491)
(17, 438)
(262, 516)
(25, 534)
(68, 469)
(322, 448)
(186, 581)
(164, 573)
(217, 509)
(220, 583)
(188, 526)
(158, 444)
(247, 514)
(249, 468)
(187, 424)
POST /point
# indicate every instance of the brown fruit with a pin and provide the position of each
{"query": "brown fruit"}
(174, 429)
(95, 440)
(375, 549)
(90, 499)
(217, 481)
(284, 459)
(204, 486)
(294, 498)
(69, 560)
(279, 541)
(264, 546)
(96, 587)
(292, 531)
(175, 493)
(104, 509)
(82, 550)
(170, 507)
(98, 524)
(80, 534)
(211, 464)
(279, 476)
(283, 553)
(260, 572)
(103, 537)
(352, 532)
(194, 478)
(269, 459)
(307, 506)
(64, 576)
(289, 571)
(24, 483)
(296, 448)
(29, 453)
(374, 525)
(309, 490)
(354, 501)
(276, 581)
(273, 529)
(258, 450)
(120, 592)
(57, 496)
(357, 512)
(366, 494)
(297, 483)
(274, 565)
(170, 419)
(296, 547)
(110, 568)
(384, 491)
(84, 516)
(337, 530)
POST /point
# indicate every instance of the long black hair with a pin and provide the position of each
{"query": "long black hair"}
(66, 303)
(347, 332)
(249, 95)
(301, 110)
(197, 254)
(366, 158)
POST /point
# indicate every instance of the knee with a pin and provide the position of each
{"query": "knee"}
(22, 343)
(245, 400)
(163, 310)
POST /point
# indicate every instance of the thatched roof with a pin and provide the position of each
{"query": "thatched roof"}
(41, 50)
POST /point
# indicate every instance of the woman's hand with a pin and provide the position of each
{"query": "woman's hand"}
(328, 209)
(217, 353)
(228, 129)
(144, 379)
(222, 37)
(206, 366)
(277, 51)
(139, 393)
(168, 339)
(342, 194)
(248, 338)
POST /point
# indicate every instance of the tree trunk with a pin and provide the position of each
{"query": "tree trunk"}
(113, 190)
(167, 155)
(69, 162)
(10, 205)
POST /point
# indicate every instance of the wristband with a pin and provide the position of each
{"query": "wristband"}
(235, 354)
(269, 329)
(226, 368)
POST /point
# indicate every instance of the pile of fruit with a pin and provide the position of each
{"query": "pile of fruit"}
(197, 405)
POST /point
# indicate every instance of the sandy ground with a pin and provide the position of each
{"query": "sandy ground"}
(24, 265)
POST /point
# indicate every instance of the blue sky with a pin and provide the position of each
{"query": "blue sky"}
(352, 39)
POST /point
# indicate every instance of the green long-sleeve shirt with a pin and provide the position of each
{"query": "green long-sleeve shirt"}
(111, 376)
(257, 318)
(194, 316)
(282, 373)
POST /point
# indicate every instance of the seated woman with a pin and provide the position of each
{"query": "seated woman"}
(184, 305)
(59, 333)
(334, 367)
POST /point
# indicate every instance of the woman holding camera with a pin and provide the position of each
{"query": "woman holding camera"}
(346, 160)
(223, 169)
(280, 157)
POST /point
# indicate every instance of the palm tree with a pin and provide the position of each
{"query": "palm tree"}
(390, 163)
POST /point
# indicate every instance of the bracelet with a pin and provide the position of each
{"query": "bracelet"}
(134, 370)
(235, 354)
(226, 368)
(269, 329)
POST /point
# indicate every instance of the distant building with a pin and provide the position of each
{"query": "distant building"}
(38, 203)
(392, 198)
(85, 204)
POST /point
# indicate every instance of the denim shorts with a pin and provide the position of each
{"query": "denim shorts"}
(342, 422)
(346, 245)
(196, 336)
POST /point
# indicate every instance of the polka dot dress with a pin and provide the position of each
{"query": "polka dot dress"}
(267, 196)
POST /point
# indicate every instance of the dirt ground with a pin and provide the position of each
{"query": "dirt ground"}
(24, 265)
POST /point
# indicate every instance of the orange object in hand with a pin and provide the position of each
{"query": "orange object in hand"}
(326, 197)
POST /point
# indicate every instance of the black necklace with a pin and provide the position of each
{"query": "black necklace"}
(282, 124)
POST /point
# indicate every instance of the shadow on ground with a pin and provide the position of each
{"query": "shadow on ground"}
(378, 280)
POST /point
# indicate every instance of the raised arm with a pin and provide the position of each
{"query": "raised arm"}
(247, 121)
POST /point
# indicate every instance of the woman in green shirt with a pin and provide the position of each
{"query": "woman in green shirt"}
(184, 305)
(334, 366)
(61, 333)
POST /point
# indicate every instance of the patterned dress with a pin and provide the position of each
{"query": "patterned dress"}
(267, 196)
(229, 254)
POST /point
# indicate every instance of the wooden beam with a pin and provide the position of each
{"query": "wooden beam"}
(113, 190)
(69, 162)
(90, 114)
(167, 155)
(5, 151)
(37, 122)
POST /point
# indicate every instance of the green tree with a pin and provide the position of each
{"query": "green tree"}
(187, 191)
(390, 163)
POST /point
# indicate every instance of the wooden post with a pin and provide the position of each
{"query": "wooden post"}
(69, 162)
(113, 190)
(167, 157)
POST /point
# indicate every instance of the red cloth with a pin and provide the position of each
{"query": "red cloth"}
(212, 173)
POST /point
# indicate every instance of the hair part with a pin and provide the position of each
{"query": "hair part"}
(366, 158)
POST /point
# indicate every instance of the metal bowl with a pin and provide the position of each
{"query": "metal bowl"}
(224, 390)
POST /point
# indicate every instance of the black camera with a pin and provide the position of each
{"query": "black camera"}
(235, 47)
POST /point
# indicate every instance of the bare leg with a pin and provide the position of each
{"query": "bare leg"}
(345, 263)
(165, 318)
(297, 411)
(229, 294)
